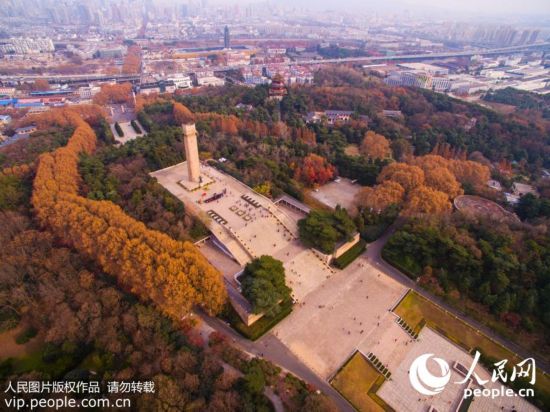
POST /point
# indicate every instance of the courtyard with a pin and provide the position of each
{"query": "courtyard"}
(248, 225)
(335, 193)
(337, 313)
(401, 396)
(129, 132)
(339, 316)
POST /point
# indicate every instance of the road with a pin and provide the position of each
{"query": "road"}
(374, 256)
(271, 348)
(371, 59)
(53, 78)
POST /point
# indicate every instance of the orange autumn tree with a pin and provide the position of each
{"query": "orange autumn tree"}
(132, 60)
(469, 172)
(114, 94)
(441, 179)
(314, 170)
(425, 200)
(417, 196)
(173, 275)
(229, 125)
(254, 127)
(429, 182)
(182, 115)
(305, 135)
(463, 171)
(40, 84)
(375, 146)
(438, 174)
(408, 176)
(381, 196)
(17, 170)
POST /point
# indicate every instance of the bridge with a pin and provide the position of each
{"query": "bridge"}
(86, 78)
(403, 57)
(72, 78)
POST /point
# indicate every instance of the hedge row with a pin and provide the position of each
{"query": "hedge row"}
(343, 261)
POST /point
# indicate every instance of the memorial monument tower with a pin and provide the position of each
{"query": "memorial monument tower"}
(191, 152)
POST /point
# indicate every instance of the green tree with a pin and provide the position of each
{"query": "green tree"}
(254, 378)
(263, 284)
(323, 230)
(528, 206)
(12, 192)
(315, 230)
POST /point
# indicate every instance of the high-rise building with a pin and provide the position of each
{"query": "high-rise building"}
(534, 36)
(184, 11)
(84, 14)
(523, 37)
(226, 38)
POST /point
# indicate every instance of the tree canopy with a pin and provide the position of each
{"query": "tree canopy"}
(324, 229)
(173, 275)
(314, 169)
(504, 268)
(375, 146)
(263, 284)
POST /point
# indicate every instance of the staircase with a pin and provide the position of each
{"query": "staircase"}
(234, 247)
(407, 328)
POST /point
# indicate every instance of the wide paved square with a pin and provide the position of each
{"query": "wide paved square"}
(334, 319)
(337, 193)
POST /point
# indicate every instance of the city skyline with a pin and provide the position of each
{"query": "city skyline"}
(465, 7)
(286, 205)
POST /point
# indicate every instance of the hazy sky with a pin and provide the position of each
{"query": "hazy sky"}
(540, 8)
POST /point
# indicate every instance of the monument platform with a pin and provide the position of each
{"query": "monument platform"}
(204, 181)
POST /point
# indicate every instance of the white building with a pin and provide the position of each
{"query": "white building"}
(4, 119)
(428, 68)
(88, 92)
(7, 91)
(494, 184)
(441, 84)
(521, 189)
(411, 78)
(181, 81)
(27, 46)
(210, 81)
(331, 116)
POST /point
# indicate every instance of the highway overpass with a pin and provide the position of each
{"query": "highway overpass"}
(83, 78)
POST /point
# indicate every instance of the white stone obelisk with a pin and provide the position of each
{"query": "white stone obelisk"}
(191, 152)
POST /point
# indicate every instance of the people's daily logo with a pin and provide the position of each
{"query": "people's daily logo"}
(423, 380)
(430, 375)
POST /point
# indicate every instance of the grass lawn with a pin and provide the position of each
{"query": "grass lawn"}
(354, 382)
(261, 326)
(414, 308)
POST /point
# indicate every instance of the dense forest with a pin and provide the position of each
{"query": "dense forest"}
(90, 235)
(94, 329)
(501, 266)
(428, 118)
(521, 99)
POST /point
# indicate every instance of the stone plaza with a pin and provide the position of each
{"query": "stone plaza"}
(336, 312)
